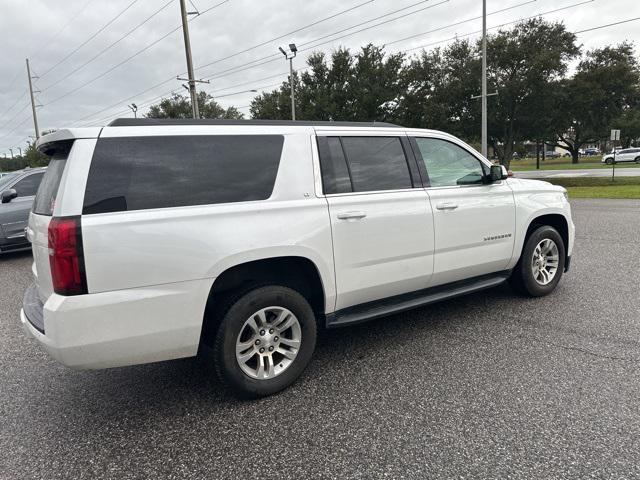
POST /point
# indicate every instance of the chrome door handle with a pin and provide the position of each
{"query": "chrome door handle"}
(351, 215)
(446, 206)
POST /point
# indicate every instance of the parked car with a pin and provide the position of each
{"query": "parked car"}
(623, 155)
(592, 151)
(17, 191)
(552, 154)
(155, 239)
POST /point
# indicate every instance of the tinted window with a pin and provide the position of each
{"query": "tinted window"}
(28, 186)
(335, 175)
(376, 163)
(154, 172)
(448, 164)
(46, 198)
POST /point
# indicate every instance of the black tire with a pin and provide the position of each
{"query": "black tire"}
(609, 161)
(238, 311)
(522, 278)
(637, 160)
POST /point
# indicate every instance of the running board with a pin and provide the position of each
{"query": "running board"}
(400, 303)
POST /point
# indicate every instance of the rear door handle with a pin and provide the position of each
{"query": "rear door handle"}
(351, 215)
(446, 206)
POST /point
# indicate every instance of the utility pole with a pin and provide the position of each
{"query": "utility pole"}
(33, 104)
(484, 78)
(11, 150)
(187, 48)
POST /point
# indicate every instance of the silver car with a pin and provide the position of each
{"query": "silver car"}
(17, 191)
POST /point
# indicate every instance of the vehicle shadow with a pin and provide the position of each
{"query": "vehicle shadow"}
(158, 388)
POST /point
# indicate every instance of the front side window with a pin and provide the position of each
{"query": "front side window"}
(136, 173)
(28, 186)
(447, 164)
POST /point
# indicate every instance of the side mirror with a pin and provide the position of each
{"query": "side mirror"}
(498, 172)
(8, 195)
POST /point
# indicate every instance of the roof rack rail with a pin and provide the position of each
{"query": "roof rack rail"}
(140, 122)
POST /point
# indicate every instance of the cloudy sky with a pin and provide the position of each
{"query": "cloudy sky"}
(94, 57)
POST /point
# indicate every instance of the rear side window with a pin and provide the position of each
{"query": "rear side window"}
(48, 191)
(376, 163)
(335, 174)
(363, 164)
(136, 173)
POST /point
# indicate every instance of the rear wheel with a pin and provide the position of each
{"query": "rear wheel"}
(265, 340)
(541, 264)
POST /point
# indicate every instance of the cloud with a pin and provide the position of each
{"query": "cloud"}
(48, 31)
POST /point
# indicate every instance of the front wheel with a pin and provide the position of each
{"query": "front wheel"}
(609, 161)
(637, 160)
(265, 340)
(541, 264)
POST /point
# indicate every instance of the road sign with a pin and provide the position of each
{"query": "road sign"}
(615, 135)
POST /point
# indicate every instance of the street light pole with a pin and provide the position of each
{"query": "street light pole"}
(293, 95)
(484, 78)
(187, 48)
(290, 55)
(134, 109)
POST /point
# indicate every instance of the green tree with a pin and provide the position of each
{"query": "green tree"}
(179, 106)
(629, 125)
(440, 84)
(605, 86)
(361, 87)
(521, 63)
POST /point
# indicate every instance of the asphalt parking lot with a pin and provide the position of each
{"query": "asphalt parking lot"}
(486, 386)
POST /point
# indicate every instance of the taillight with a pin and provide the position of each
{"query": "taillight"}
(66, 256)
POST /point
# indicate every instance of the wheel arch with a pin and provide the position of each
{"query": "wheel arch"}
(555, 220)
(297, 272)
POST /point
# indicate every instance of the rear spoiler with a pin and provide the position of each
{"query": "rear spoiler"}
(47, 143)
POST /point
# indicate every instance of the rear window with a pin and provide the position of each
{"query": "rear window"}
(136, 173)
(45, 200)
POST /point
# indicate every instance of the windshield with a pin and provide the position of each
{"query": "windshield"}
(6, 179)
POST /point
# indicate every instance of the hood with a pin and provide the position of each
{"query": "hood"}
(525, 184)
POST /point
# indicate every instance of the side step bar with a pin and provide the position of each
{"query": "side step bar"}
(408, 301)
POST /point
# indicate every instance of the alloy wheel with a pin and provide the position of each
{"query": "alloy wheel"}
(268, 342)
(545, 261)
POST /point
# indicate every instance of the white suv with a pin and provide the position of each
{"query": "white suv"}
(153, 239)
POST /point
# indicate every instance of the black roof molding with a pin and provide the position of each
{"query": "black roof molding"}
(142, 122)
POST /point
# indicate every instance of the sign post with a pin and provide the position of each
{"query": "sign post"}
(615, 136)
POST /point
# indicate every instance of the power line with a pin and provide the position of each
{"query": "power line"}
(324, 36)
(459, 23)
(49, 42)
(130, 57)
(109, 46)
(20, 97)
(498, 26)
(15, 115)
(91, 37)
(607, 25)
(274, 57)
(372, 26)
(299, 29)
(237, 53)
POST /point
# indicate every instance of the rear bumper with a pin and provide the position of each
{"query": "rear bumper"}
(124, 327)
